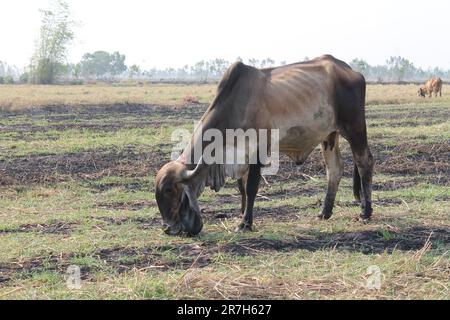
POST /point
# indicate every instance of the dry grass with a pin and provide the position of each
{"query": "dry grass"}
(335, 284)
(400, 94)
(14, 97)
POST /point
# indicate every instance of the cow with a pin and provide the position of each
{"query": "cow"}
(432, 85)
(310, 103)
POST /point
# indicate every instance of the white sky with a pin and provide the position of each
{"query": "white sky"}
(166, 33)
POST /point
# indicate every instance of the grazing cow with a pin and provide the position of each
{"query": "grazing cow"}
(432, 85)
(310, 103)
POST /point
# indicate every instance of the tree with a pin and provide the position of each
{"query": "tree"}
(8, 79)
(399, 67)
(134, 70)
(379, 73)
(95, 64)
(253, 62)
(2, 68)
(267, 63)
(201, 70)
(182, 73)
(56, 33)
(218, 67)
(361, 66)
(24, 77)
(9, 70)
(76, 70)
(100, 64)
(117, 63)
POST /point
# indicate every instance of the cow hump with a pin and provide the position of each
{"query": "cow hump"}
(231, 76)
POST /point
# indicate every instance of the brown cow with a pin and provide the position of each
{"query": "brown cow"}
(309, 103)
(432, 85)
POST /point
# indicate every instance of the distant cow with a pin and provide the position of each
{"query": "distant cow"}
(432, 85)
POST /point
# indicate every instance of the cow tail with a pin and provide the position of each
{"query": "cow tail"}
(356, 183)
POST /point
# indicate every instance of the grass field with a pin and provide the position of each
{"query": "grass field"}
(20, 97)
(77, 168)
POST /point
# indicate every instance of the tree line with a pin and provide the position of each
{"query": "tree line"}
(49, 62)
(111, 67)
(397, 69)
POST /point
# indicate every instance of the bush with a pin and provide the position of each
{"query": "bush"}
(190, 100)
(76, 82)
(45, 72)
(2, 80)
(8, 79)
(24, 77)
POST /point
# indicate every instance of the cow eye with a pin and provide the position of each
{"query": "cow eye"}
(168, 190)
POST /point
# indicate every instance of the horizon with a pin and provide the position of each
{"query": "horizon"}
(174, 33)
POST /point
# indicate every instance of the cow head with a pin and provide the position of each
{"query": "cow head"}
(421, 92)
(176, 199)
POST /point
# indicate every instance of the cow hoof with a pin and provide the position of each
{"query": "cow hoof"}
(244, 227)
(323, 217)
(365, 219)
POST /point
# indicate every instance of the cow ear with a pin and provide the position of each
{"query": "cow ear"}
(193, 203)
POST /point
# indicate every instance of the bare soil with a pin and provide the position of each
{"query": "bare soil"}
(86, 165)
(58, 227)
(366, 242)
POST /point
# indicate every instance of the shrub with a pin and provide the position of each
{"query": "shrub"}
(76, 82)
(190, 99)
(24, 77)
(8, 79)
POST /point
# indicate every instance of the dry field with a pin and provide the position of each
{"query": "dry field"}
(19, 97)
(77, 166)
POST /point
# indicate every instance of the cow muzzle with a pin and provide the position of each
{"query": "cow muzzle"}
(189, 228)
(190, 221)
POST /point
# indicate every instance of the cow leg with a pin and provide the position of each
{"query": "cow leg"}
(335, 168)
(251, 189)
(364, 163)
(241, 186)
